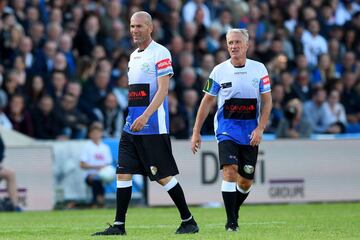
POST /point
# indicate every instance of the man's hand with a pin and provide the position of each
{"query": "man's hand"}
(139, 123)
(195, 142)
(256, 137)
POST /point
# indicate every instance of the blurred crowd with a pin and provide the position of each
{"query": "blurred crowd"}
(63, 63)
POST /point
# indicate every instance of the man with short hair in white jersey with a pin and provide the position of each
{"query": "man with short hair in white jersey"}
(145, 146)
(242, 88)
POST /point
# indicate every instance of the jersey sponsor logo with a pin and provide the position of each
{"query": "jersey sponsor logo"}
(265, 80)
(208, 85)
(163, 64)
(226, 85)
(240, 108)
(139, 95)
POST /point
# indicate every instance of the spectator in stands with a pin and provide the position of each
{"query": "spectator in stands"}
(121, 91)
(57, 86)
(191, 103)
(350, 98)
(277, 112)
(85, 69)
(65, 47)
(188, 79)
(94, 156)
(224, 22)
(112, 15)
(314, 110)
(35, 90)
(88, 36)
(9, 176)
(12, 42)
(295, 40)
(348, 64)
(178, 123)
(190, 8)
(25, 50)
(11, 84)
(206, 66)
(44, 61)
(117, 39)
(293, 125)
(4, 120)
(334, 117)
(74, 88)
(94, 93)
(287, 81)
(324, 72)
(302, 87)
(292, 18)
(19, 116)
(37, 35)
(47, 123)
(73, 120)
(111, 116)
(171, 26)
(19, 67)
(54, 31)
(314, 43)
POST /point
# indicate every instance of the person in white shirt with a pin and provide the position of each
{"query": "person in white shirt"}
(334, 117)
(314, 43)
(94, 156)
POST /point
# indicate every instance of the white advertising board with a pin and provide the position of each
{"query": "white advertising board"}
(34, 175)
(288, 171)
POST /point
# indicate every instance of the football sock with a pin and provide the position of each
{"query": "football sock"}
(177, 195)
(241, 195)
(123, 196)
(228, 190)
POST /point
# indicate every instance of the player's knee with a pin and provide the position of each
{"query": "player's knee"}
(124, 177)
(230, 172)
(164, 181)
(244, 184)
(8, 174)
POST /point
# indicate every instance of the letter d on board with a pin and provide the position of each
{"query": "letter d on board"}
(208, 159)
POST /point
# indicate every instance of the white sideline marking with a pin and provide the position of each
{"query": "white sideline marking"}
(211, 225)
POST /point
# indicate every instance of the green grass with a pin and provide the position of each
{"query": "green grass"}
(308, 221)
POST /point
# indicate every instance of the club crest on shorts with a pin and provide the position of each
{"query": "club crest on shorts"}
(248, 169)
(153, 170)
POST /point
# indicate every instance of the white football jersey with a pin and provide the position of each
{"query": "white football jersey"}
(145, 67)
(238, 91)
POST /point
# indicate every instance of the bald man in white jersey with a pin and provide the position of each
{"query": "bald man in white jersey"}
(242, 88)
(145, 146)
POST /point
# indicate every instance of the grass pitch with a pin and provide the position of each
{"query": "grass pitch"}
(308, 221)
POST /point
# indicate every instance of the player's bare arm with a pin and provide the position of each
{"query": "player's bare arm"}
(162, 92)
(266, 105)
(203, 112)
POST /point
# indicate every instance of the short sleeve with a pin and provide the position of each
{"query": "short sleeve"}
(264, 83)
(212, 87)
(163, 63)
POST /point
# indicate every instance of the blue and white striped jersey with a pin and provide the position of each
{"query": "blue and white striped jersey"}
(238, 91)
(145, 67)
